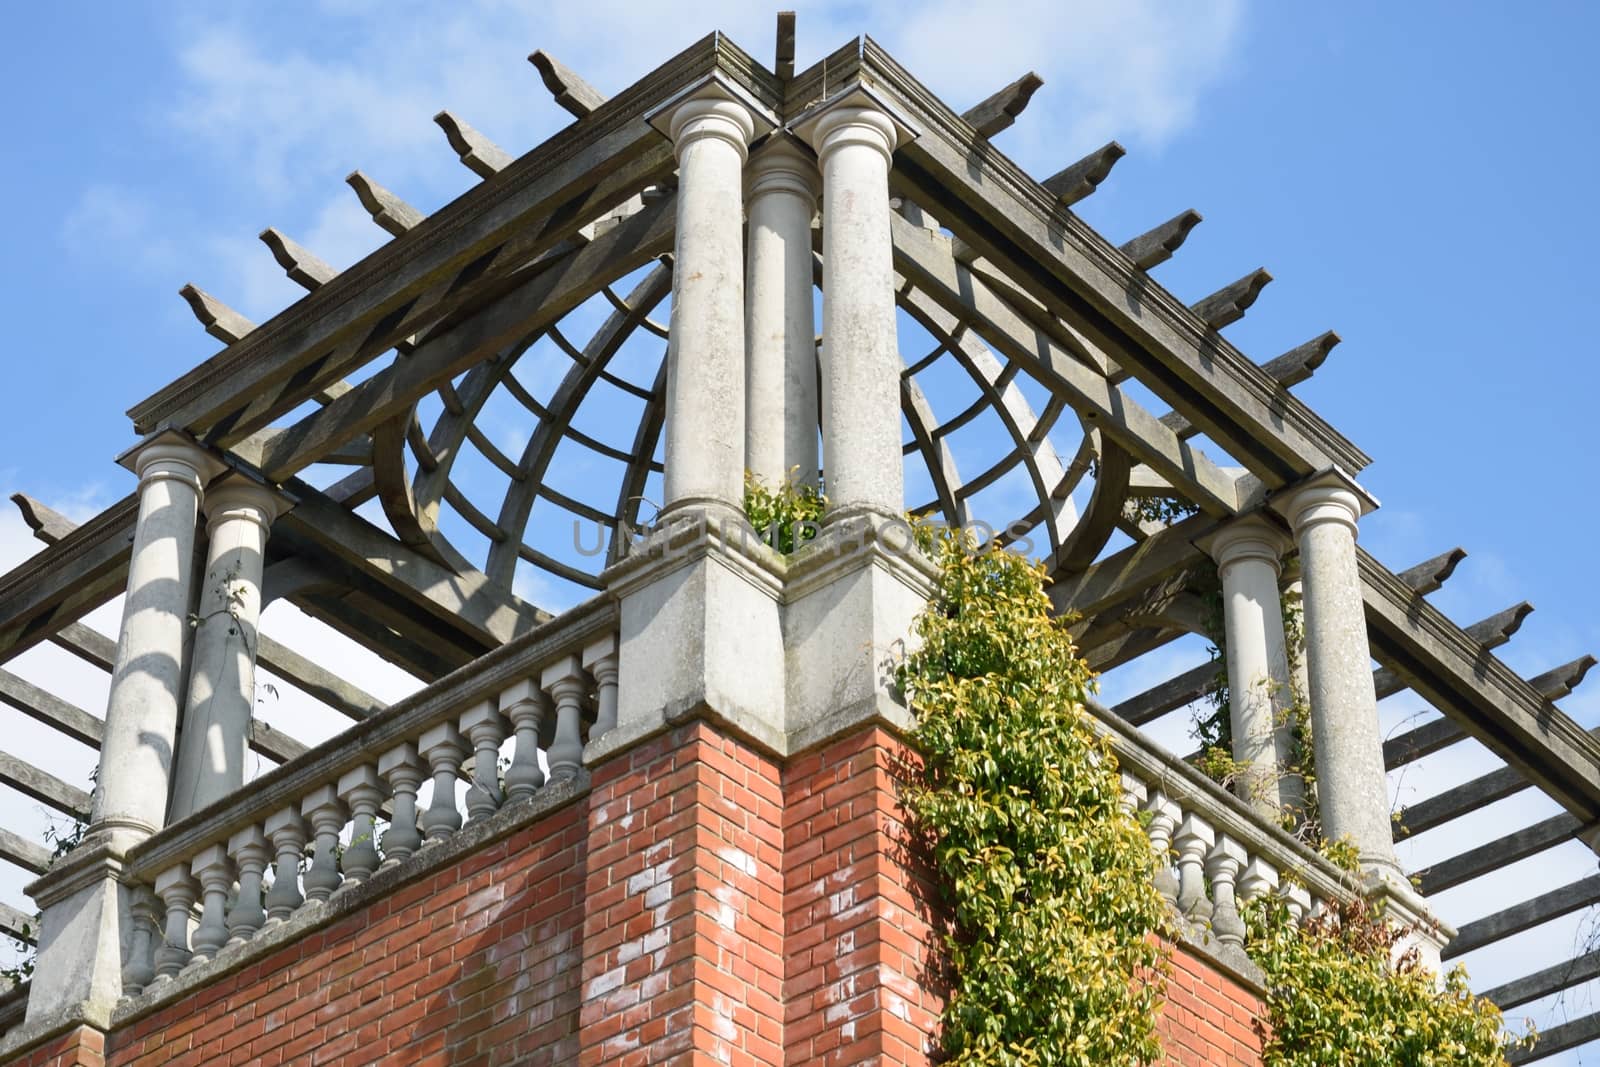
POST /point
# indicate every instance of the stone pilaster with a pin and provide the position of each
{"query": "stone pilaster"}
(215, 739)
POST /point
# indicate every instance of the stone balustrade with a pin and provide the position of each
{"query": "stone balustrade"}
(397, 785)
(1214, 851)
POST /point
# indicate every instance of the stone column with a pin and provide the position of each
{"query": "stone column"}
(711, 132)
(222, 679)
(780, 327)
(146, 683)
(1248, 552)
(855, 138)
(1352, 791)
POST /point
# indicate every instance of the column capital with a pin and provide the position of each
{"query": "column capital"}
(1328, 496)
(855, 116)
(782, 164)
(172, 454)
(1248, 537)
(235, 496)
(715, 108)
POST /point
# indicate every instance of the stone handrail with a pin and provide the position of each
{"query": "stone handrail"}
(1215, 852)
(242, 859)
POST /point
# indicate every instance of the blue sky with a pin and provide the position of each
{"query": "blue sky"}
(1417, 177)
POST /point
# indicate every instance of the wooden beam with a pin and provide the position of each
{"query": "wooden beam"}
(302, 266)
(571, 92)
(50, 710)
(999, 111)
(1459, 800)
(477, 153)
(1543, 983)
(1502, 851)
(1429, 575)
(1568, 1035)
(19, 926)
(783, 65)
(46, 788)
(592, 165)
(1079, 180)
(387, 210)
(1019, 227)
(1154, 247)
(928, 263)
(81, 571)
(1132, 572)
(23, 853)
(1289, 369)
(533, 305)
(1227, 305)
(1170, 695)
(1451, 670)
(219, 320)
(1524, 916)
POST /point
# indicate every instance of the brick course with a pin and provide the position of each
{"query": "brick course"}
(704, 904)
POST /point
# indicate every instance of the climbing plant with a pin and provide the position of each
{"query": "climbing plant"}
(1048, 883)
(1338, 996)
(786, 515)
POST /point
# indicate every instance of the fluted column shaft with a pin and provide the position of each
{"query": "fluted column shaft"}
(861, 356)
(222, 679)
(146, 682)
(1248, 554)
(780, 327)
(1352, 791)
(705, 351)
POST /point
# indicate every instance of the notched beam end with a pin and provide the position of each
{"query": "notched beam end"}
(219, 320)
(784, 53)
(1084, 177)
(1302, 361)
(480, 155)
(1497, 629)
(46, 524)
(1429, 575)
(999, 111)
(1560, 682)
(386, 209)
(571, 92)
(1227, 306)
(302, 266)
(1155, 247)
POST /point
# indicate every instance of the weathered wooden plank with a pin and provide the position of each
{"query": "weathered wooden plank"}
(89, 645)
(18, 925)
(1450, 670)
(389, 294)
(1475, 862)
(1227, 305)
(1560, 1038)
(1542, 983)
(536, 303)
(1131, 572)
(1289, 369)
(478, 154)
(50, 710)
(1524, 916)
(1079, 180)
(783, 65)
(1170, 695)
(1429, 575)
(1459, 800)
(219, 320)
(46, 524)
(22, 852)
(1155, 246)
(999, 111)
(316, 681)
(386, 209)
(303, 266)
(46, 788)
(1018, 226)
(571, 92)
(928, 263)
(77, 574)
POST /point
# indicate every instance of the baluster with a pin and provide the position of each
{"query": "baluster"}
(600, 660)
(251, 853)
(567, 686)
(145, 909)
(362, 791)
(1259, 878)
(1298, 898)
(287, 831)
(525, 705)
(1222, 867)
(1164, 815)
(1134, 794)
(485, 727)
(177, 891)
(328, 816)
(213, 869)
(402, 767)
(444, 749)
(1193, 839)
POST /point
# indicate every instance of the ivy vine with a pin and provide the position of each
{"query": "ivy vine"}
(786, 515)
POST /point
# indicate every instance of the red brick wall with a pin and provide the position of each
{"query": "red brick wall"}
(477, 964)
(1208, 1018)
(704, 905)
(858, 981)
(683, 942)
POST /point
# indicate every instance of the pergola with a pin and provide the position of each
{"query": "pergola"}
(545, 291)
